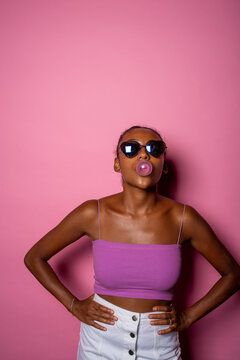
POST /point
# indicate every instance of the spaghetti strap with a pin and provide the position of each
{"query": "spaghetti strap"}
(179, 234)
(99, 218)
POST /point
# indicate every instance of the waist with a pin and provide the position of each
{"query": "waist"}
(134, 304)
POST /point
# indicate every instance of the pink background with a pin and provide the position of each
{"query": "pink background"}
(75, 73)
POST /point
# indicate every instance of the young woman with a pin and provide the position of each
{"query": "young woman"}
(137, 237)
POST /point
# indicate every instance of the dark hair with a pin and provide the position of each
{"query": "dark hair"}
(136, 127)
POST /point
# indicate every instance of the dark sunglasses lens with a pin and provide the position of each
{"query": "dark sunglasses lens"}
(155, 148)
(130, 149)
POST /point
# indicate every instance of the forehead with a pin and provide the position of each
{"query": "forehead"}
(140, 135)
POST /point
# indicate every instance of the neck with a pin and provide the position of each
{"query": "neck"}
(140, 201)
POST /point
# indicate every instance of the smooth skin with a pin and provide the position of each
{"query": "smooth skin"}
(136, 215)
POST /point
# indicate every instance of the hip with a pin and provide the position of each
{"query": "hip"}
(131, 337)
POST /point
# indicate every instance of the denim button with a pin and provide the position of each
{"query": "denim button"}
(131, 352)
(132, 335)
(134, 318)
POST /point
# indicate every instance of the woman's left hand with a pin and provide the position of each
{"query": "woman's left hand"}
(177, 321)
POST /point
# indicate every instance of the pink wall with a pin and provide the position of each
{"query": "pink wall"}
(80, 71)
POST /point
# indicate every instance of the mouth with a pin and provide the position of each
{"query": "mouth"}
(144, 168)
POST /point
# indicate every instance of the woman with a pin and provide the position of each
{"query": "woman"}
(137, 238)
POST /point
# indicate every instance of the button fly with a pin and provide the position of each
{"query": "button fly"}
(130, 352)
(132, 335)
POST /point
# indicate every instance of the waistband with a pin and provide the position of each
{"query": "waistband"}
(124, 313)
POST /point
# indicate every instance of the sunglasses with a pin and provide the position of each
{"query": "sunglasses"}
(154, 147)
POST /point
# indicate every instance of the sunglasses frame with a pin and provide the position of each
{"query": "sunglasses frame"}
(140, 146)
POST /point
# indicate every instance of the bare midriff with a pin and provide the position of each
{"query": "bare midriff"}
(137, 305)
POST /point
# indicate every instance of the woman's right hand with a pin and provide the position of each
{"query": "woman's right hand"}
(88, 310)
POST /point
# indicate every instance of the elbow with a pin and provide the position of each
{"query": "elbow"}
(30, 259)
(27, 260)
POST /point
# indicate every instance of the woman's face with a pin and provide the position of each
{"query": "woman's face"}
(127, 166)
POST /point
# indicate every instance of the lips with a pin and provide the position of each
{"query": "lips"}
(144, 168)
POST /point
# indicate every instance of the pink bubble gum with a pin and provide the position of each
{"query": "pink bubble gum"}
(144, 168)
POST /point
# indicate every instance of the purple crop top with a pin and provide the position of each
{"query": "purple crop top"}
(146, 271)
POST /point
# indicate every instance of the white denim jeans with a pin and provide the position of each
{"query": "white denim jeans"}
(132, 337)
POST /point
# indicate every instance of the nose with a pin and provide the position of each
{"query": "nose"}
(143, 154)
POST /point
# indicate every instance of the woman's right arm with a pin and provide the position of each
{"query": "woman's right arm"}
(70, 229)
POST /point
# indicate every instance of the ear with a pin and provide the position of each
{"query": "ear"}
(116, 166)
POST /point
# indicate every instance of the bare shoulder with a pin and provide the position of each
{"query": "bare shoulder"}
(192, 221)
(196, 225)
(195, 228)
(88, 208)
(83, 213)
(204, 240)
(179, 213)
(72, 227)
(174, 207)
(86, 214)
(199, 232)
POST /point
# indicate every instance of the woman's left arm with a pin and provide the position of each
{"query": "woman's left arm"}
(205, 241)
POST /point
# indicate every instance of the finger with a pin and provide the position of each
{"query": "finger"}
(96, 325)
(165, 319)
(103, 316)
(105, 320)
(163, 308)
(167, 331)
(162, 316)
(103, 308)
(160, 322)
